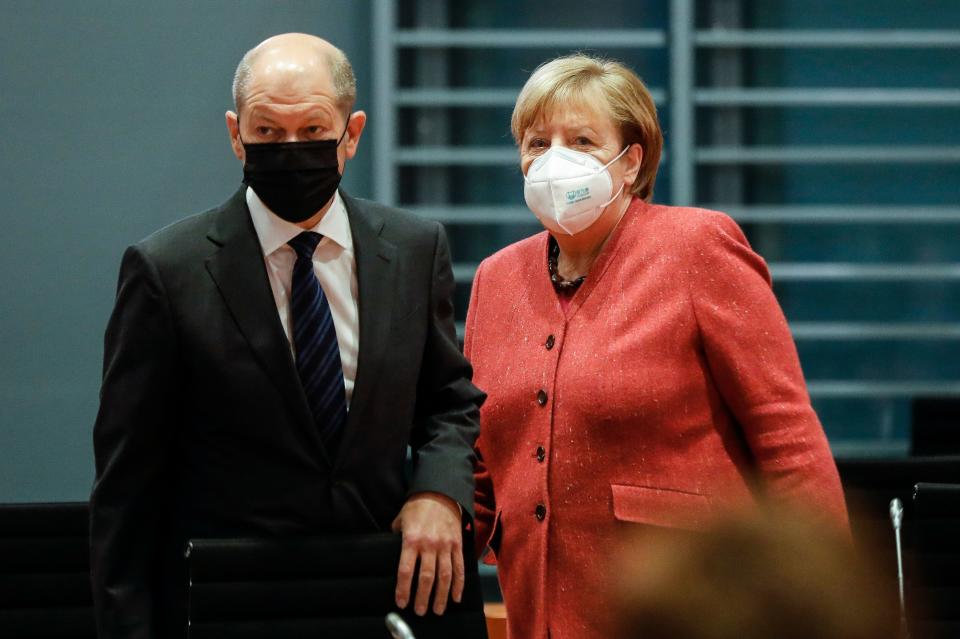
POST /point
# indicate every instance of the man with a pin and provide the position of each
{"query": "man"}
(269, 361)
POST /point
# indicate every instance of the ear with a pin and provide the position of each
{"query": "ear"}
(355, 124)
(233, 129)
(632, 160)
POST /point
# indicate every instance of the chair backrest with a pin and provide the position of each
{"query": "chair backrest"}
(45, 588)
(316, 587)
(935, 426)
(933, 583)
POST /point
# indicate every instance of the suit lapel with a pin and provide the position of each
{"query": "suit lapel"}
(376, 277)
(239, 272)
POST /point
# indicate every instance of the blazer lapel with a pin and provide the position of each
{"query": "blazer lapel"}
(238, 270)
(607, 256)
(376, 275)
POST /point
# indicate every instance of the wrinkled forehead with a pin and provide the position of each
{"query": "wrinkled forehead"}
(570, 106)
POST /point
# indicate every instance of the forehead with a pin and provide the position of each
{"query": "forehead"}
(286, 83)
(574, 113)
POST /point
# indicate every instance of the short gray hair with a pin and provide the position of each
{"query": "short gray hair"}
(344, 82)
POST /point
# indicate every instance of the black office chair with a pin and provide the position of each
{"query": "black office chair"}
(933, 578)
(870, 484)
(935, 426)
(318, 587)
(45, 588)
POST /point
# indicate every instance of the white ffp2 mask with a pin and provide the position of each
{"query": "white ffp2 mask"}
(568, 190)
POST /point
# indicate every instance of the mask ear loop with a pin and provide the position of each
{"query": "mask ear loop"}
(608, 202)
(239, 137)
(605, 167)
(620, 155)
(344, 134)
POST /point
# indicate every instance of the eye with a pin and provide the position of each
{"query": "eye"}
(314, 130)
(582, 140)
(538, 144)
(264, 131)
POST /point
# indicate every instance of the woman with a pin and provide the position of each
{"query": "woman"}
(637, 364)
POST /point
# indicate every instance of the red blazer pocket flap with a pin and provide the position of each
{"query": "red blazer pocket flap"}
(660, 507)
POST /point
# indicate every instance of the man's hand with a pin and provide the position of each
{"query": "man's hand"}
(430, 523)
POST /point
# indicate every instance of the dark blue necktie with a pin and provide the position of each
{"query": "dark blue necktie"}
(315, 343)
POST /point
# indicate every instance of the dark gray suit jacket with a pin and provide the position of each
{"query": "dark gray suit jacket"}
(204, 430)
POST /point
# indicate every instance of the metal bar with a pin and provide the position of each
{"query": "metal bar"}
(865, 448)
(461, 156)
(829, 155)
(681, 138)
(490, 97)
(774, 97)
(840, 214)
(486, 570)
(726, 124)
(836, 272)
(469, 155)
(859, 331)
(476, 214)
(384, 119)
(463, 272)
(473, 97)
(820, 271)
(479, 214)
(530, 38)
(838, 389)
(432, 124)
(872, 331)
(828, 38)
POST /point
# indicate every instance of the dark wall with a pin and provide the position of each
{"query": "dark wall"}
(112, 126)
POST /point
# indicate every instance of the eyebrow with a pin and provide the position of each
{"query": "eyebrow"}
(262, 116)
(580, 128)
(316, 116)
(585, 129)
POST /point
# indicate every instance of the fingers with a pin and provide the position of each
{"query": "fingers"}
(431, 538)
(459, 573)
(428, 570)
(408, 561)
(444, 578)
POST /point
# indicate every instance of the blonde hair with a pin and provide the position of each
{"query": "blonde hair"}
(579, 78)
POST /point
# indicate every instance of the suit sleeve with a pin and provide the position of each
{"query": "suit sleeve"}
(754, 363)
(484, 501)
(447, 420)
(131, 440)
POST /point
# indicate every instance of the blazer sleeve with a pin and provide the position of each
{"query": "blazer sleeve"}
(484, 500)
(131, 441)
(754, 363)
(447, 417)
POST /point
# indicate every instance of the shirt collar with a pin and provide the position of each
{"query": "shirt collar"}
(274, 232)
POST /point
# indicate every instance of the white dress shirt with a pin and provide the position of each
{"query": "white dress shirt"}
(335, 264)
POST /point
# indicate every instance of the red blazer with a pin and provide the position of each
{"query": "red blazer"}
(667, 386)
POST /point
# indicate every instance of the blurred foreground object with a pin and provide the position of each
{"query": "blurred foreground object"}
(773, 575)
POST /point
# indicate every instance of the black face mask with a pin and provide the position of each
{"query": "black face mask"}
(294, 179)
